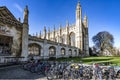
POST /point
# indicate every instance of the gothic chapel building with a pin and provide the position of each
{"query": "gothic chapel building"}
(17, 44)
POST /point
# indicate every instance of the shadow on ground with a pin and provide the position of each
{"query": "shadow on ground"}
(18, 73)
(87, 60)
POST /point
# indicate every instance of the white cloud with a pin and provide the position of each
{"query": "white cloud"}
(18, 7)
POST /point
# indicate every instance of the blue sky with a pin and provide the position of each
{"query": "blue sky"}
(103, 15)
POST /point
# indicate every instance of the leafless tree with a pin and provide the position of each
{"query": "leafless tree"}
(103, 41)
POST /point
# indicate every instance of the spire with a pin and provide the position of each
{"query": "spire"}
(44, 32)
(78, 14)
(48, 29)
(78, 10)
(26, 13)
(19, 19)
(48, 33)
(85, 21)
(67, 23)
(54, 27)
(44, 28)
(78, 5)
(40, 34)
(85, 17)
(60, 27)
(54, 33)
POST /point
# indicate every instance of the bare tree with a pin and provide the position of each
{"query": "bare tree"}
(103, 41)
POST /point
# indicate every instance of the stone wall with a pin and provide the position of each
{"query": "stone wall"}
(46, 44)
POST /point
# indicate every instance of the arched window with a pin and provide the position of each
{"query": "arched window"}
(34, 49)
(63, 51)
(70, 52)
(56, 39)
(75, 52)
(72, 39)
(64, 39)
(52, 51)
(61, 40)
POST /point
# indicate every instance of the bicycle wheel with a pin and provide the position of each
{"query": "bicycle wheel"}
(65, 74)
(49, 76)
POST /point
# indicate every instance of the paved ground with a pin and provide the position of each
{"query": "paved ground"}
(16, 72)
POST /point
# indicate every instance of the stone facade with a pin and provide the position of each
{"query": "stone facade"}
(60, 50)
(73, 35)
(10, 35)
(72, 40)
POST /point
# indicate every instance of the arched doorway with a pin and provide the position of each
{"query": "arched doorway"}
(75, 52)
(63, 51)
(52, 51)
(72, 39)
(6, 45)
(34, 49)
(70, 52)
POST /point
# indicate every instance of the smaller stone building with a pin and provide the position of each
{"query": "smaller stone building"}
(10, 36)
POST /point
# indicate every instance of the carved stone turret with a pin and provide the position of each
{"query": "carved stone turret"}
(54, 33)
(26, 13)
(54, 28)
(25, 34)
(85, 21)
(48, 33)
(67, 23)
(67, 32)
(40, 34)
(48, 29)
(60, 29)
(78, 11)
(79, 27)
(45, 32)
(19, 19)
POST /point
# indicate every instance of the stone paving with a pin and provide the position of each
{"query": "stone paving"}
(16, 72)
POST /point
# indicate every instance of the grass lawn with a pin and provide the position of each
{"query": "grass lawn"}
(90, 60)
